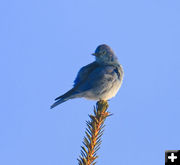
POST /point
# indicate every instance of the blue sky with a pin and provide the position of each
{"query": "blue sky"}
(43, 44)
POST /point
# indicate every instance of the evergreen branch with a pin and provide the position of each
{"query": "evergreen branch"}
(94, 132)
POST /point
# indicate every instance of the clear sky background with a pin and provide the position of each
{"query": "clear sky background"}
(43, 44)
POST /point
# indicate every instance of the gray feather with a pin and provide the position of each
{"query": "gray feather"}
(58, 102)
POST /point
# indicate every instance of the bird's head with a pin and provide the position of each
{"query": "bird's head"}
(104, 54)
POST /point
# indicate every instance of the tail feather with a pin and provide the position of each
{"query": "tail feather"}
(67, 94)
(59, 102)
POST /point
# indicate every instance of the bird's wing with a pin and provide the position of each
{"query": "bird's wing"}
(102, 76)
(82, 76)
(84, 73)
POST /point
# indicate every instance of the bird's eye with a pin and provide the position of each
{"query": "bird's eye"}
(103, 52)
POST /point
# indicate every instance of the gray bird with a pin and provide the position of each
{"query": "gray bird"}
(99, 80)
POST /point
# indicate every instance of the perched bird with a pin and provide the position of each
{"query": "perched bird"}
(99, 80)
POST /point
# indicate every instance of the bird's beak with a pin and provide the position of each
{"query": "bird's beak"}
(95, 54)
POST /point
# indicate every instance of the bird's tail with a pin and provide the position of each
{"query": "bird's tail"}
(68, 95)
(59, 102)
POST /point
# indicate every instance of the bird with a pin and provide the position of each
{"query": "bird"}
(99, 80)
